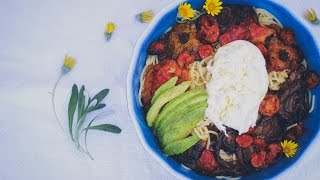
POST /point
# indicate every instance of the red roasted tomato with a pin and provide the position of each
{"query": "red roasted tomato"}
(270, 105)
(207, 161)
(185, 59)
(233, 33)
(244, 140)
(258, 159)
(205, 51)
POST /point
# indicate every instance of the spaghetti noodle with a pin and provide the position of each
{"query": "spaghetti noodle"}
(199, 74)
(277, 78)
(266, 18)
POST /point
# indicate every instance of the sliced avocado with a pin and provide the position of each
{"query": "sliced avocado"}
(180, 146)
(178, 115)
(184, 127)
(169, 84)
(170, 107)
(163, 98)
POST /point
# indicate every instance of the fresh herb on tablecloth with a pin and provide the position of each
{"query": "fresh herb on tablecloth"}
(68, 64)
(79, 108)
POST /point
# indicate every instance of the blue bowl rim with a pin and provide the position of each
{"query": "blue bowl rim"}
(130, 75)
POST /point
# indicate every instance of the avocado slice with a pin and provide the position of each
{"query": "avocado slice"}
(184, 127)
(169, 84)
(178, 115)
(180, 146)
(170, 107)
(163, 98)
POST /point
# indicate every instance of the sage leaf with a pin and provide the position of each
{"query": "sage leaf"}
(106, 127)
(72, 107)
(96, 107)
(100, 96)
(81, 103)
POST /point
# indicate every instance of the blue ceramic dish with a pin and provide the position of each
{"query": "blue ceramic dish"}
(164, 20)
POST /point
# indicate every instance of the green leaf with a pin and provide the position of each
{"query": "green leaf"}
(81, 102)
(106, 127)
(100, 96)
(72, 107)
(96, 107)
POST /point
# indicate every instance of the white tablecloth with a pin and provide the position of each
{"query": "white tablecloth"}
(34, 37)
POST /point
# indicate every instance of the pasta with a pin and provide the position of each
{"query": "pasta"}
(199, 74)
(202, 131)
(277, 78)
(266, 18)
(227, 157)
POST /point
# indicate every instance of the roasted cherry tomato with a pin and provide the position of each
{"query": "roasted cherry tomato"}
(244, 140)
(185, 59)
(258, 159)
(233, 33)
(270, 105)
(260, 143)
(274, 151)
(209, 29)
(205, 51)
(156, 48)
(207, 161)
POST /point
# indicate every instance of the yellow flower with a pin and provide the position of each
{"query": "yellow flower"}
(69, 62)
(213, 7)
(311, 15)
(185, 11)
(289, 148)
(110, 27)
(145, 17)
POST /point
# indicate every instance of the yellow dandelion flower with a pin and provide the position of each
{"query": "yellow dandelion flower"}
(110, 27)
(185, 11)
(289, 148)
(311, 15)
(69, 62)
(213, 7)
(145, 17)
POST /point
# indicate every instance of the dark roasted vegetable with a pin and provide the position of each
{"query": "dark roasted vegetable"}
(294, 101)
(269, 128)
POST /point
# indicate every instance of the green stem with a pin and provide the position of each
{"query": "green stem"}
(53, 103)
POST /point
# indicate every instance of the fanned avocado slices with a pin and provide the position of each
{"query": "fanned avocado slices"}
(180, 146)
(179, 114)
(184, 127)
(169, 84)
(163, 98)
(174, 103)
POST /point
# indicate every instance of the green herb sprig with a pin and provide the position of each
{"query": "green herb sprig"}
(82, 106)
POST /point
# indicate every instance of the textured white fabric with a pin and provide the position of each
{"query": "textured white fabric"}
(34, 37)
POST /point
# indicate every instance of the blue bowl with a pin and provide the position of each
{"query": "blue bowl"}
(164, 20)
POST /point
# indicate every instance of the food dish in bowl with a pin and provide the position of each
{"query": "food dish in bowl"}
(157, 30)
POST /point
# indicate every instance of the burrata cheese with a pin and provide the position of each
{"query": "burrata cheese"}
(238, 85)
